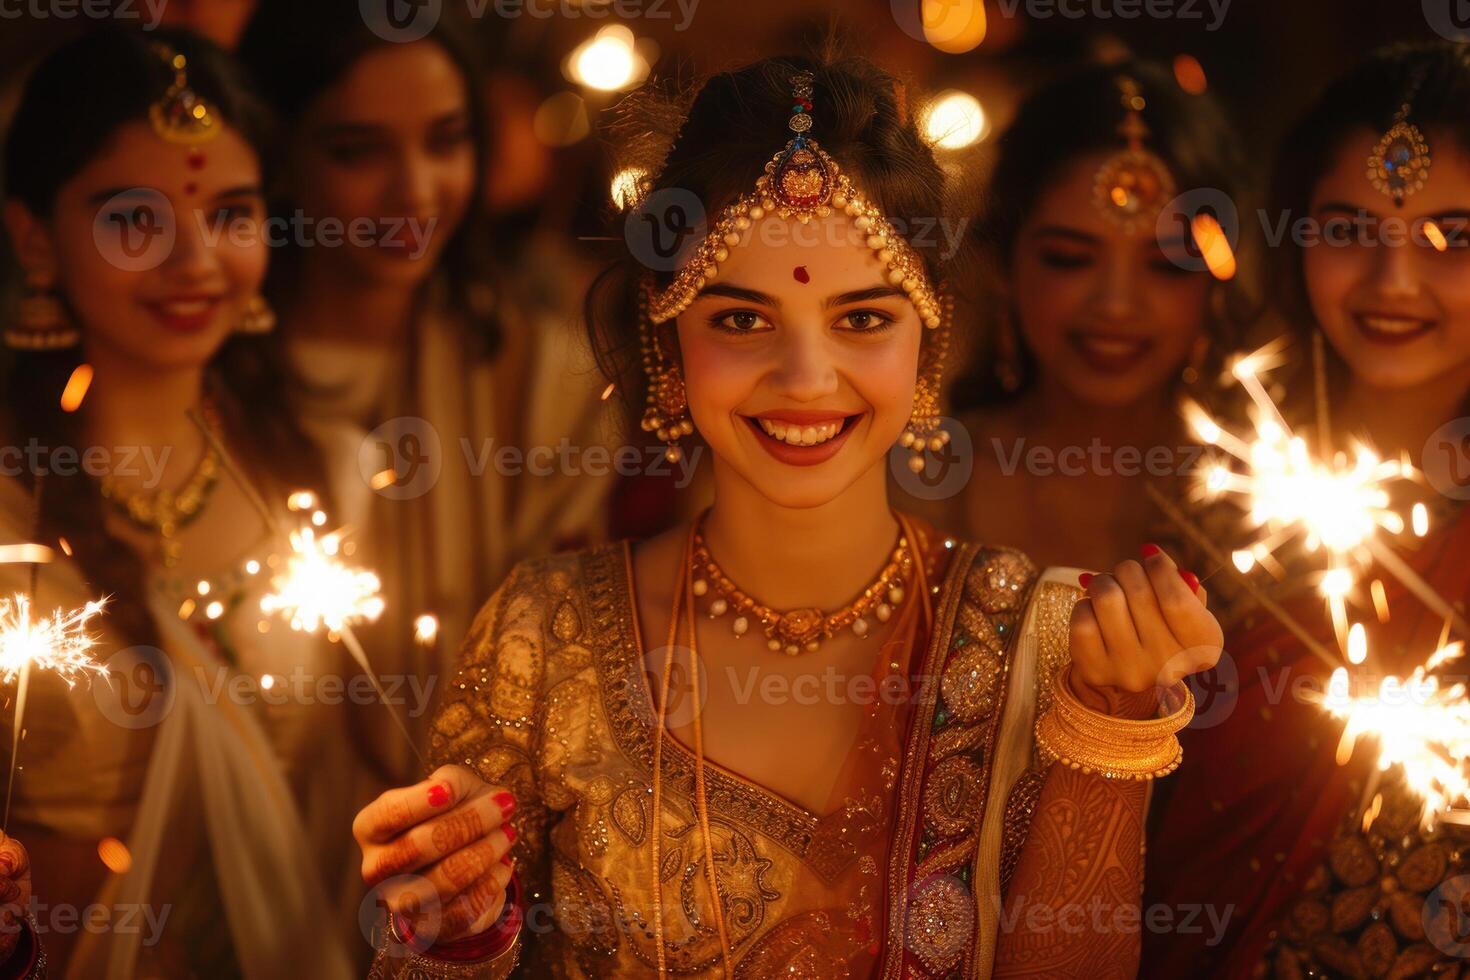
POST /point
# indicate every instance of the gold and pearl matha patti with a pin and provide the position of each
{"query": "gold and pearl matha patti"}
(802, 182)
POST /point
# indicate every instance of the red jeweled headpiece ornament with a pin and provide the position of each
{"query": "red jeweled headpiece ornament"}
(801, 182)
(1133, 185)
(180, 115)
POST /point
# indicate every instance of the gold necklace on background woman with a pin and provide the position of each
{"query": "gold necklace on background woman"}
(164, 512)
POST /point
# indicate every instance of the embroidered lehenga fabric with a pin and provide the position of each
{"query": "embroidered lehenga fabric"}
(902, 877)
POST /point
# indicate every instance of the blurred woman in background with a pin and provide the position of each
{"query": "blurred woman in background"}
(1321, 868)
(1099, 313)
(208, 816)
(401, 325)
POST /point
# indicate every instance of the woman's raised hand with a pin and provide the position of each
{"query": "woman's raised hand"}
(438, 849)
(1142, 626)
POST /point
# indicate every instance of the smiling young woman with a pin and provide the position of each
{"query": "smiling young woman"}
(1098, 312)
(1315, 872)
(793, 737)
(414, 328)
(134, 209)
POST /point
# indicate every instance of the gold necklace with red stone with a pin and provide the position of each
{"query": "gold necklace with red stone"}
(797, 631)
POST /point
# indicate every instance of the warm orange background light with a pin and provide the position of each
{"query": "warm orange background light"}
(76, 388)
(954, 26)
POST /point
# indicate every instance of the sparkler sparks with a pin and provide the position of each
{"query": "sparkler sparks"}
(1419, 726)
(1337, 506)
(426, 629)
(60, 643)
(317, 589)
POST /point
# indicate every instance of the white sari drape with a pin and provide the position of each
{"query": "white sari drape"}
(274, 899)
(281, 863)
(441, 548)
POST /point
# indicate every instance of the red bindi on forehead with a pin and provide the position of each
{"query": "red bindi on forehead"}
(801, 275)
(196, 161)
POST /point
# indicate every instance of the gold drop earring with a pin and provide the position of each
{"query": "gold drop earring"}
(42, 322)
(923, 433)
(667, 405)
(257, 318)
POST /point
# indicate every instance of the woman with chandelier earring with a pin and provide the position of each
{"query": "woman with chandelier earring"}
(1319, 863)
(793, 737)
(1099, 312)
(143, 376)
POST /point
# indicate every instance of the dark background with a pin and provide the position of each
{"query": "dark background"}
(1265, 61)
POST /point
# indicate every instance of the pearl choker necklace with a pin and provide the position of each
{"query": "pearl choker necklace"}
(800, 630)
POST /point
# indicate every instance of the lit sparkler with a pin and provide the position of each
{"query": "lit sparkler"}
(1337, 506)
(1419, 725)
(60, 643)
(317, 589)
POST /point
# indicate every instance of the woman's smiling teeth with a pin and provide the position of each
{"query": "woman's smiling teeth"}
(800, 435)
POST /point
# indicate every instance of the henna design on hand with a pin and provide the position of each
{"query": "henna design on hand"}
(456, 829)
(1081, 861)
(396, 858)
(482, 897)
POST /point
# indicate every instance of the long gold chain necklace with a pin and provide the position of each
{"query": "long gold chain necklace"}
(795, 631)
(683, 609)
(164, 512)
(888, 586)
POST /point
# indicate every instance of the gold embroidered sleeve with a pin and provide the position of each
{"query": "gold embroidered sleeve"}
(1052, 604)
(1074, 843)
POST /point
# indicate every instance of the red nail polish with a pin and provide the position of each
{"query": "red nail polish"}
(438, 795)
(1084, 578)
(1190, 579)
(1149, 550)
(506, 802)
(510, 834)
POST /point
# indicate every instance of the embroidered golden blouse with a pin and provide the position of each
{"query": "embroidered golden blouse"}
(552, 702)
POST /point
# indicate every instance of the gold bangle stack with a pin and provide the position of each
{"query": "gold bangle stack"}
(1113, 748)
